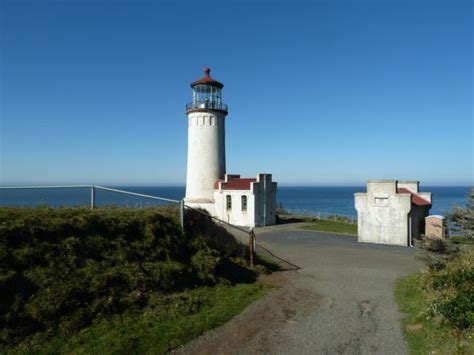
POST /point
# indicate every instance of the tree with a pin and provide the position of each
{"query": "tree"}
(463, 218)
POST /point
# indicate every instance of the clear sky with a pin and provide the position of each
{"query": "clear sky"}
(319, 92)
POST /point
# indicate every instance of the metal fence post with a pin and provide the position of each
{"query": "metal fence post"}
(181, 210)
(92, 196)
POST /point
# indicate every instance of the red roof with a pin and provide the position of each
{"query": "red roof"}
(415, 198)
(235, 184)
(207, 80)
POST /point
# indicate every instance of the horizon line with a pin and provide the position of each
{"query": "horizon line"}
(169, 184)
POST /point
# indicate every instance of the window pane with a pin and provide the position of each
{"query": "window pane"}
(244, 203)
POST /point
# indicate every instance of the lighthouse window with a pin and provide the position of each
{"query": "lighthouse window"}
(228, 202)
(244, 203)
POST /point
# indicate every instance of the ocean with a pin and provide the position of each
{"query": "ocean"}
(297, 199)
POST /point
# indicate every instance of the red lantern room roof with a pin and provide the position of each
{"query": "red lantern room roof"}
(207, 80)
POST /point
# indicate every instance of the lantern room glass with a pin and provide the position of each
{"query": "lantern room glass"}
(207, 96)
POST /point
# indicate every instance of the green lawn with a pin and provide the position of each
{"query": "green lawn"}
(331, 226)
(425, 334)
(173, 321)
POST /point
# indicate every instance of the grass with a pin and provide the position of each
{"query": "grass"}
(458, 239)
(171, 322)
(426, 330)
(331, 226)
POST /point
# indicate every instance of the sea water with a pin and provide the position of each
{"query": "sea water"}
(309, 200)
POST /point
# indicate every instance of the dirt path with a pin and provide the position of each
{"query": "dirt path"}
(340, 301)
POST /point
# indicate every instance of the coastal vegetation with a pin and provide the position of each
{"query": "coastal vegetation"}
(462, 218)
(329, 223)
(439, 302)
(114, 280)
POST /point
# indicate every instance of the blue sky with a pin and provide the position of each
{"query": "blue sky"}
(320, 92)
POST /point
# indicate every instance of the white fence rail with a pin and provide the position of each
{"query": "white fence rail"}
(93, 195)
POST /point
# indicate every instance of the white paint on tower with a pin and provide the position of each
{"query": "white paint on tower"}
(206, 155)
(240, 201)
(206, 140)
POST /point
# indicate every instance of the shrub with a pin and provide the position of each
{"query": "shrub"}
(62, 269)
(205, 262)
(202, 231)
(459, 310)
(463, 217)
(451, 290)
(436, 252)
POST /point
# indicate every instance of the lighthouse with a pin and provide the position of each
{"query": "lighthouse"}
(206, 139)
(240, 201)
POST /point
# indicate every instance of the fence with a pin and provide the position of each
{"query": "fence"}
(92, 193)
(244, 236)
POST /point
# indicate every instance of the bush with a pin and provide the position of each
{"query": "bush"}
(462, 218)
(441, 299)
(436, 252)
(451, 290)
(459, 310)
(205, 262)
(202, 231)
(62, 269)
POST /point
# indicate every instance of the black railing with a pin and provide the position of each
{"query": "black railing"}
(212, 105)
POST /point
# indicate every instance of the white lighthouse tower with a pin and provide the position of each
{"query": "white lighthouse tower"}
(206, 141)
(240, 201)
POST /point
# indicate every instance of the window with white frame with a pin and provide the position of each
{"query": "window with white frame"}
(244, 203)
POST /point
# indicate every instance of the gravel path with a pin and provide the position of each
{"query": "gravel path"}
(340, 302)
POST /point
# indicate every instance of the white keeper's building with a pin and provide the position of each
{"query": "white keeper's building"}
(240, 201)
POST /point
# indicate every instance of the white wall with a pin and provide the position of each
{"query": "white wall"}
(235, 216)
(206, 155)
(261, 204)
(383, 214)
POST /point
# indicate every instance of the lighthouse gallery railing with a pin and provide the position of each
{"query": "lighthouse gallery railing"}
(211, 105)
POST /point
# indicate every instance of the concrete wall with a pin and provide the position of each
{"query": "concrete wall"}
(383, 214)
(235, 215)
(265, 200)
(261, 204)
(206, 155)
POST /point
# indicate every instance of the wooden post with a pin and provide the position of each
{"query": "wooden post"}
(252, 239)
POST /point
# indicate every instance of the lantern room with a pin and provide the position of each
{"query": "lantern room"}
(207, 94)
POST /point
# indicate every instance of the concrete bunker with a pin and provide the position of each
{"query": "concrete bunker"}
(392, 212)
